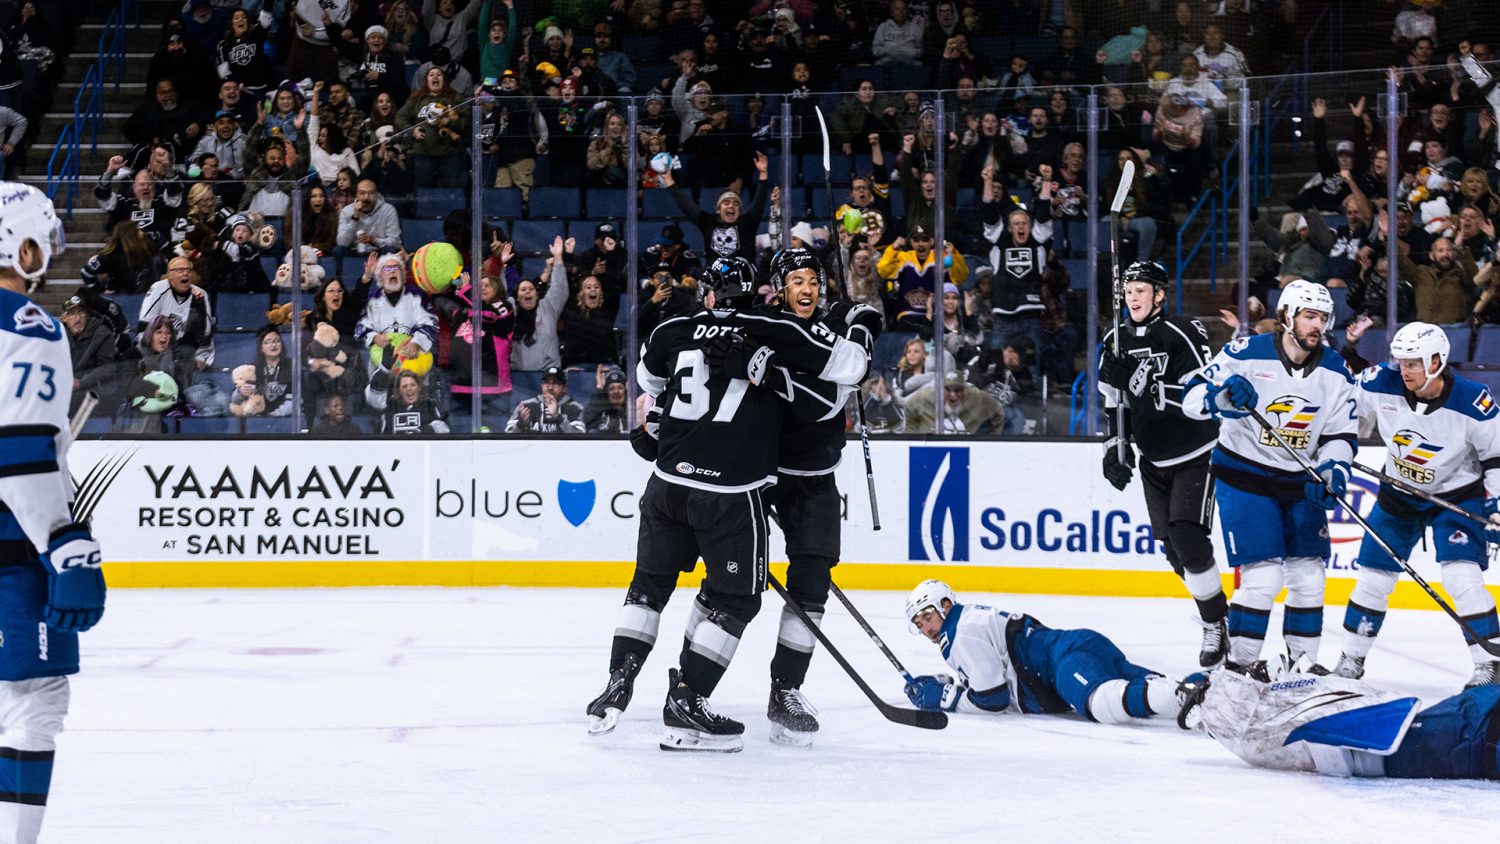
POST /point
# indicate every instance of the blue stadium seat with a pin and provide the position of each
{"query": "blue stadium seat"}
(223, 380)
(504, 203)
(525, 384)
(271, 425)
(810, 165)
(436, 203)
(898, 209)
(1078, 273)
(908, 77)
(330, 266)
(888, 349)
(231, 350)
(208, 425)
(604, 202)
(822, 207)
(642, 50)
(98, 424)
(418, 233)
(850, 77)
(1488, 377)
(130, 305)
(693, 237)
(581, 384)
(1458, 342)
(658, 203)
(241, 310)
(269, 264)
(555, 203)
(536, 235)
(1488, 347)
(1373, 347)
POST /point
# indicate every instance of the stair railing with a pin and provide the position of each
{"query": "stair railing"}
(88, 108)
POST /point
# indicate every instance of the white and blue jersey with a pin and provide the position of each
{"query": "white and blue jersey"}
(1010, 662)
(36, 387)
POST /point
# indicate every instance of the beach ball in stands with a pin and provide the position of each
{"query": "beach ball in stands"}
(854, 221)
(661, 162)
(436, 266)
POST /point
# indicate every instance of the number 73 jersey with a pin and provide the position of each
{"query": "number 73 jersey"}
(722, 434)
(36, 386)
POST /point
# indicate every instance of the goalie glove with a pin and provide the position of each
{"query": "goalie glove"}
(1118, 474)
(75, 583)
(931, 691)
(1329, 492)
(645, 438)
(730, 356)
(1230, 399)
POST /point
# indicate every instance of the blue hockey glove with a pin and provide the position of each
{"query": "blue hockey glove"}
(1335, 475)
(75, 585)
(1118, 474)
(934, 692)
(1492, 528)
(1229, 399)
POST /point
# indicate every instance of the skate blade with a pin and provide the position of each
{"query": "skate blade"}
(790, 738)
(602, 725)
(681, 740)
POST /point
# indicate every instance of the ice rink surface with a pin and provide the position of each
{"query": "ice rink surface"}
(456, 715)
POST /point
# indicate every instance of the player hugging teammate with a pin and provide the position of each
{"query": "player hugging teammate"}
(725, 379)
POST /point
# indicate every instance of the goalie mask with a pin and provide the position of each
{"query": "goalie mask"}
(1420, 341)
(929, 593)
(731, 280)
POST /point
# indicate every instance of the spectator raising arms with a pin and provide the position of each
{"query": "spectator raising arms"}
(398, 328)
(497, 321)
(438, 146)
(535, 345)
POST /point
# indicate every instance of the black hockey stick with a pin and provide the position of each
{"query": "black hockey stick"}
(1420, 493)
(838, 257)
(1484, 644)
(925, 719)
(1127, 178)
(870, 631)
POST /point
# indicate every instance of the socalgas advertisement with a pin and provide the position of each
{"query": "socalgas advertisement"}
(1022, 515)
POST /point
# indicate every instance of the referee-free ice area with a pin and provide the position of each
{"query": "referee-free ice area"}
(456, 715)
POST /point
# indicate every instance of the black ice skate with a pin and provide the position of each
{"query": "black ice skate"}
(604, 711)
(1256, 670)
(1485, 674)
(793, 719)
(692, 724)
(1349, 667)
(1215, 646)
(1191, 692)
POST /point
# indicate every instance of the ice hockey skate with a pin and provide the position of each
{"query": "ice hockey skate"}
(692, 725)
(1485, 674)
(1215, 646)
(604, 711)
(1349, 667)
(793, 719)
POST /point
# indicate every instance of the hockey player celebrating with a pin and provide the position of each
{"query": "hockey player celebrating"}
(1275, 520)
(1442, 437)
(1010, 662)
(806, 497)
(715, 451)
(52, 586)
(1158, 354)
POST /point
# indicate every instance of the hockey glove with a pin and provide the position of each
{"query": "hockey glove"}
(1328, 493)
(1229, 399)
(75, 583)
(934, 692)
(1118, 474)
(1492, 526)
(1115, 370)
(859, 315)
(730, 356)
(645, 438)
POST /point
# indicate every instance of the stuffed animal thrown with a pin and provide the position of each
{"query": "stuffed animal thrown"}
(312, 271)
(247, 398)
(324, 355)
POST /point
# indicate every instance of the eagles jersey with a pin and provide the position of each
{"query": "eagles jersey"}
(1167, 351)
(718, 433)
(1449, 446)
(36, 387)
(1313, 407)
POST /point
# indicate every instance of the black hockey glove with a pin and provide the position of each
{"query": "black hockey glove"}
(1118, 474)
(730, 356)
(1115, 370)
(645, 438)
(856, 314)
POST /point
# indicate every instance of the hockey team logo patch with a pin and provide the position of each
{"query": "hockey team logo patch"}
(938, 504)
(576, 500)
(1410, 453)
(1292, 416)
(1484, 403)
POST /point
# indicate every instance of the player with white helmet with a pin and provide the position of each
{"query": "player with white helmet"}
(1010, 662)
(51, 586)
(1441, 436)
(1274, 519)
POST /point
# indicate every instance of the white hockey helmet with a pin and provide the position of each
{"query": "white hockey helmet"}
(929, 593)
(27, 214)
(1420, 341)
(1300, 295)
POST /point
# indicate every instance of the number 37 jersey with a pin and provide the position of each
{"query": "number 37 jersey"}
(721, 434)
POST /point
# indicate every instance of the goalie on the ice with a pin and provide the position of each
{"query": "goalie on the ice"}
(1341, 727)
(1010, 662)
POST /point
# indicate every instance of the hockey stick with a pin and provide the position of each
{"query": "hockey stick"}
(1127, 179)
(925, 719)
(81, 416)
(869, 631)
(838, 257)
(1484, 644)
(1420, 493)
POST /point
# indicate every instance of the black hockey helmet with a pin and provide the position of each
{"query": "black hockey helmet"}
(789, 260)
(731, 280)
(1150, 272)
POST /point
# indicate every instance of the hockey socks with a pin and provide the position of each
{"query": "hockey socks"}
(1250, 612)
(1119, 701)
(1365, 614)
(1208, 591)
(794, 647)
(25, 778)
(708, 650)
(1302, 625)
(1465, 582)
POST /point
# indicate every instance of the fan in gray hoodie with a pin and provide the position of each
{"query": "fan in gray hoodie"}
(534, 345)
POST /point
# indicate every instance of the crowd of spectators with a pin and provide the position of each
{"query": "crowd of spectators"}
(367, 106)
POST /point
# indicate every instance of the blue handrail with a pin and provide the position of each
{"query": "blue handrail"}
(88, 108)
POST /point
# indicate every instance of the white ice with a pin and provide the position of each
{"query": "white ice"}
(456, 715)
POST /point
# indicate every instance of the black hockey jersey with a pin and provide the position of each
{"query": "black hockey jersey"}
(721, 434)
(1168, 351)
(813, 432)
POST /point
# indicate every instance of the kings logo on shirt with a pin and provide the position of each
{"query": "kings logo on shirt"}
(1411, 452)
(1292, 417)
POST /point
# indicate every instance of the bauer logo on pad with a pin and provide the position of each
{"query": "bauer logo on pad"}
(938, 504)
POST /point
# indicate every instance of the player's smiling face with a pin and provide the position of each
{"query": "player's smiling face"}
(801, 292)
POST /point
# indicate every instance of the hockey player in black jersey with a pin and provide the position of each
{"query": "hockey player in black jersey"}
(805, 497)
(1158, 354)
(714, 451)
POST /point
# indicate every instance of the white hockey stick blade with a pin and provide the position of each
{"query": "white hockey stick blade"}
(1127, 179)
(823, 129)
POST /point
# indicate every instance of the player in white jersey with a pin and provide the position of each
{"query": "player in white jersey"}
(1010, 662)
(1441, 436)
(1274, 518)
(51, 586)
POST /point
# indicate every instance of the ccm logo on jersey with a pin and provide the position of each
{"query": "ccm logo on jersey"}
(687, 468)
(91, 560)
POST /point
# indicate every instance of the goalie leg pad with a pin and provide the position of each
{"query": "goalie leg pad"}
(1365, 614)
(1250, 612)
